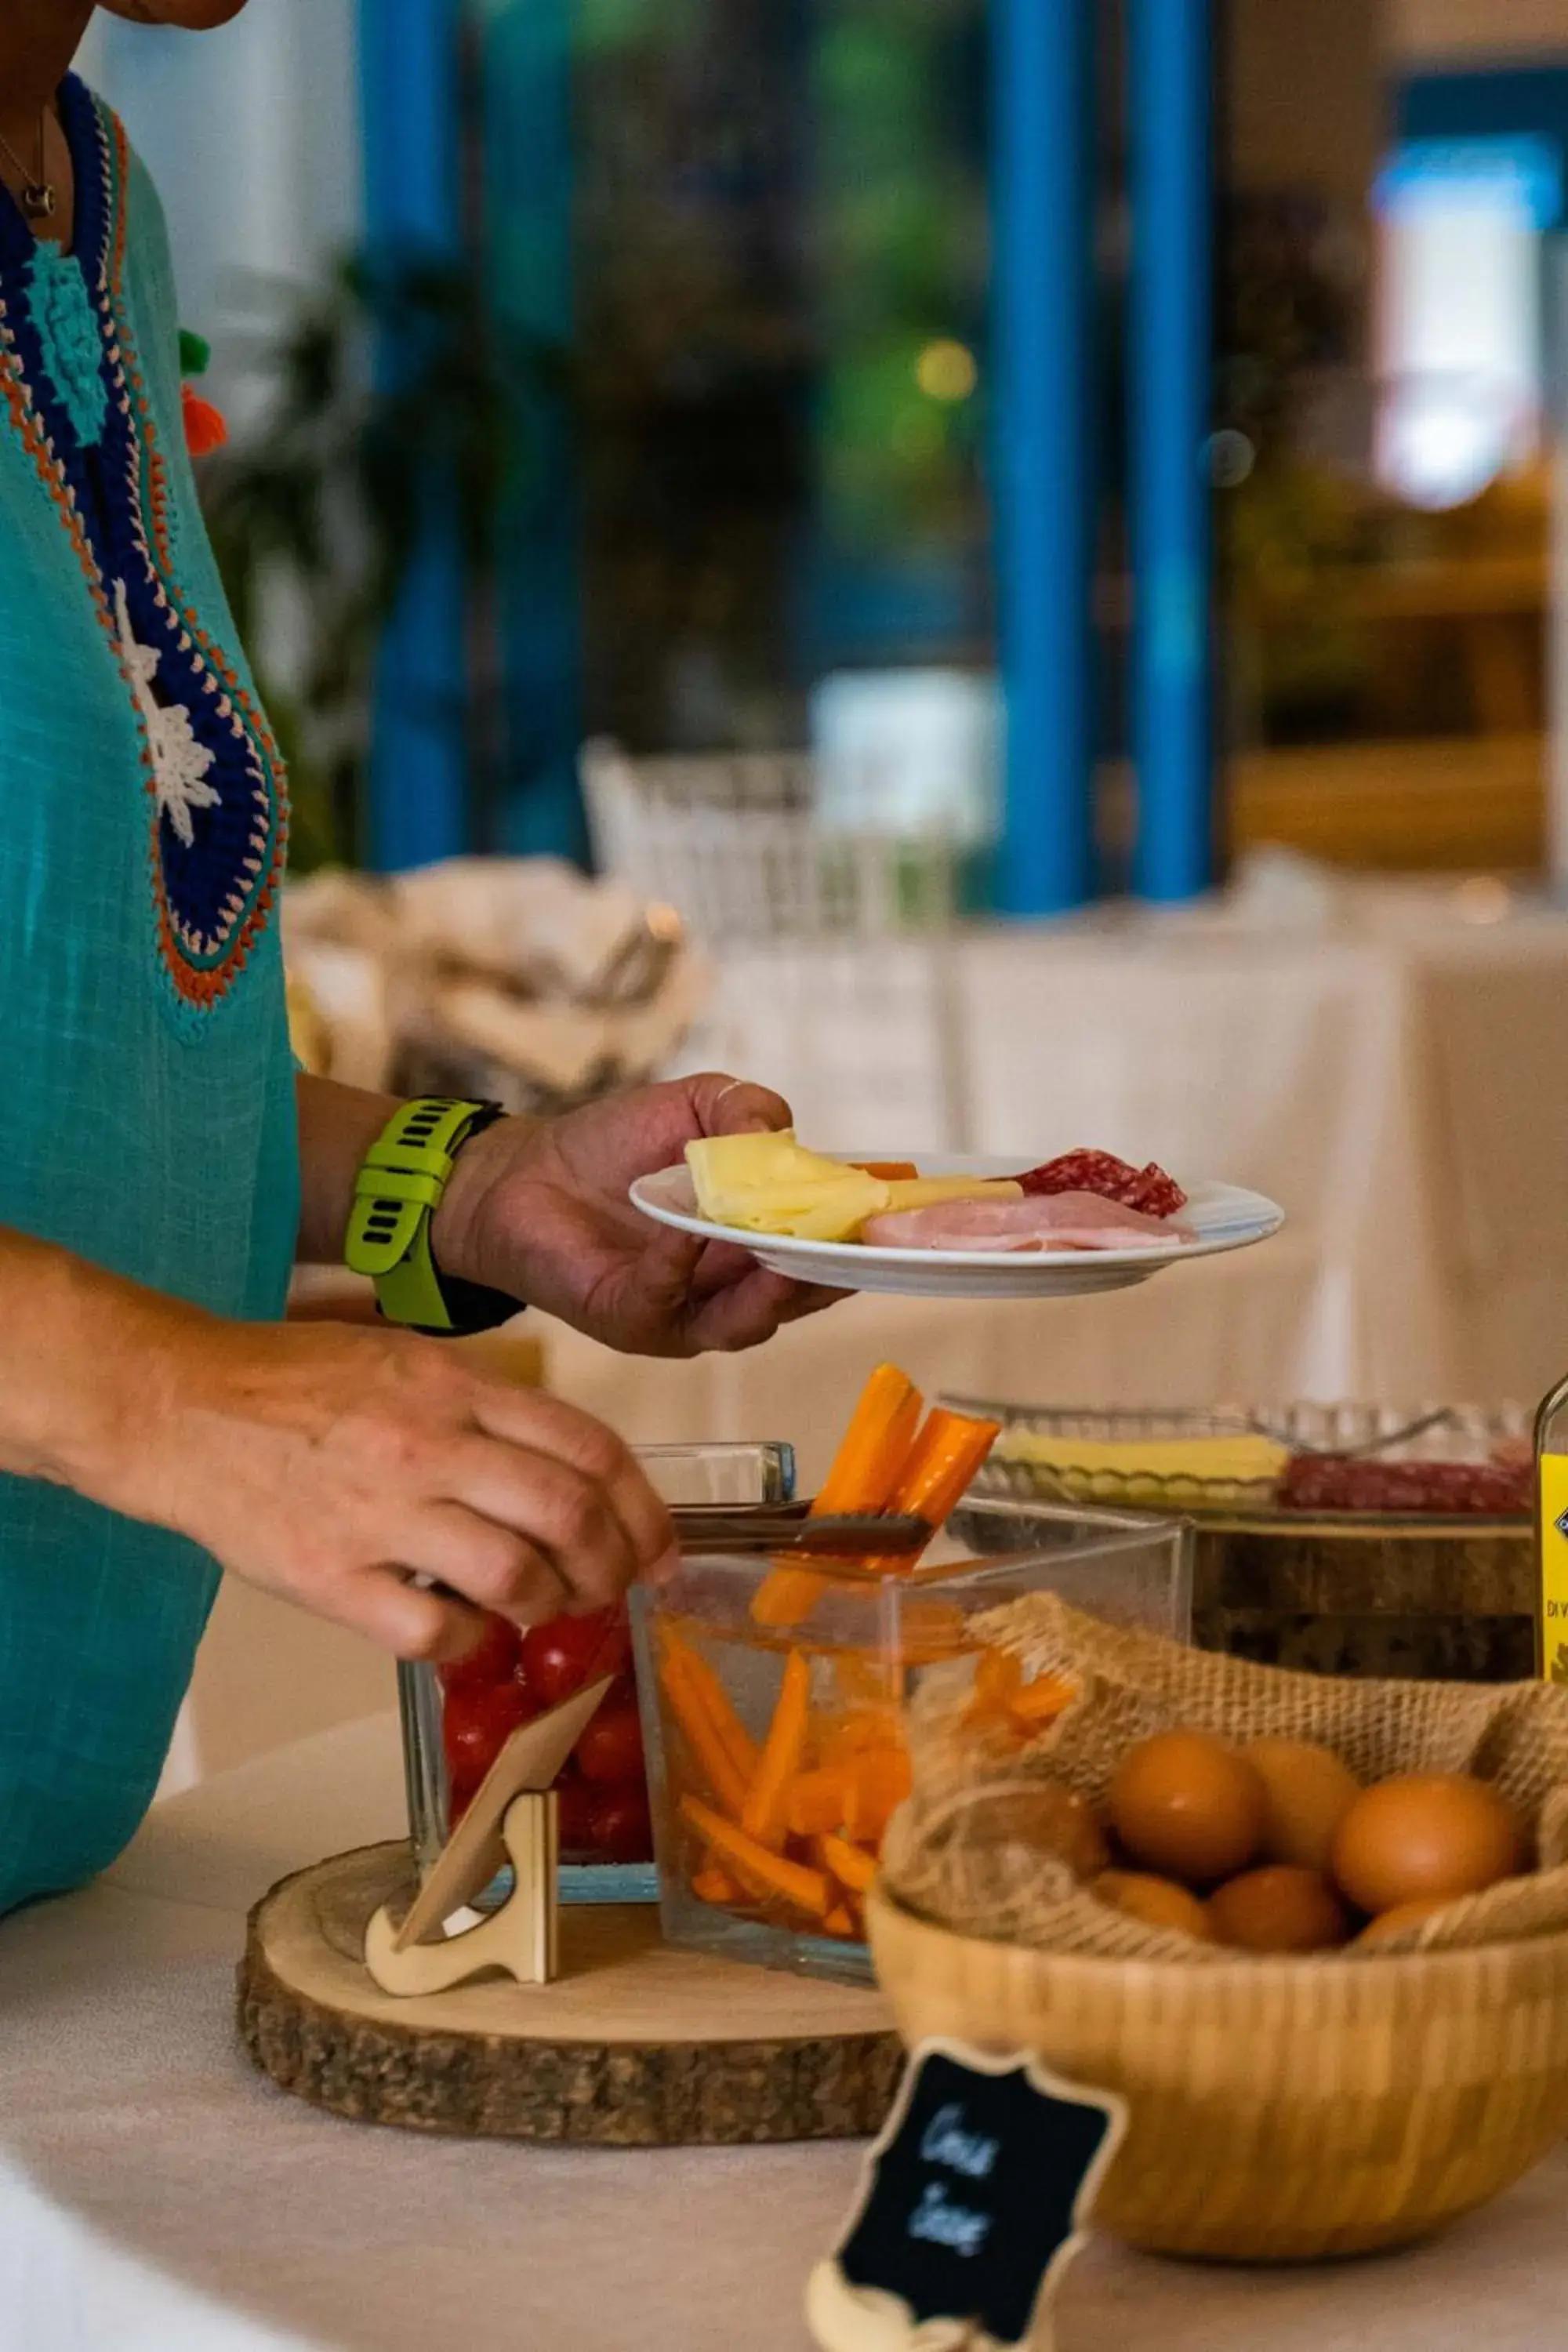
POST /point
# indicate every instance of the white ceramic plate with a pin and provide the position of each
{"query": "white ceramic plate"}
(1223, 1216)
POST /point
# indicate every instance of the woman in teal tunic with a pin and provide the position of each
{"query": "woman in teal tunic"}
(162, 1164)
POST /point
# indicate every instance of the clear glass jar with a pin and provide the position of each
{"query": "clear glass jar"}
(734, 1645)
(455, 1720)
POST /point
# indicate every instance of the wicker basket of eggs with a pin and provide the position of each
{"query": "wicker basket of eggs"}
(1314, 1930)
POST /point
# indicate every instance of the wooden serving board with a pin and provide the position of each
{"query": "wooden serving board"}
(635, 2045)
(1446, 1600)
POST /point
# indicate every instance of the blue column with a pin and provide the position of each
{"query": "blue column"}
(408, 53)
(1169, 70)
(1043, 465)
(526, 73)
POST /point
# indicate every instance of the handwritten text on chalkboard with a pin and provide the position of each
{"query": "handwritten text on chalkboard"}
(978, 2190)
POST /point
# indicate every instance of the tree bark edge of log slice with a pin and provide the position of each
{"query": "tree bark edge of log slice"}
(460, 2083)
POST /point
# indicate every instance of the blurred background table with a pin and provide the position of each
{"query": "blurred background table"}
(1383, 1059)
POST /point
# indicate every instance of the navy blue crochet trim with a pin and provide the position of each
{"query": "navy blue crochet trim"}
(209, 887)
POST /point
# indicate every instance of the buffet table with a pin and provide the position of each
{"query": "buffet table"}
(1376, 1057)
(155, 2196)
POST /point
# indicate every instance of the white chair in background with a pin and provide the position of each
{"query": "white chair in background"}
(832, 942)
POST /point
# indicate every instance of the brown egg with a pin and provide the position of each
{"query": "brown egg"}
(1157, 1902)
(1310, 1792)
(1425, 1833)
(1184, 1804)
(1403, 1915)
(1279, 1908)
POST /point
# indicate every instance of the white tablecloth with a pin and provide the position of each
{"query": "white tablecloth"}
(1391, 1072)
(157, 2196)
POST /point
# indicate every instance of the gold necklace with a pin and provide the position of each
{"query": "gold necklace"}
(38, 197)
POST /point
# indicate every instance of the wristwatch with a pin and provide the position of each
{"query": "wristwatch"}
(395, 1196)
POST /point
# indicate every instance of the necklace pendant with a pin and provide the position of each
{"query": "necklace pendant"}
(38, 199)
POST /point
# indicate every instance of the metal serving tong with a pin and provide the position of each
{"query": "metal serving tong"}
(788, 1527)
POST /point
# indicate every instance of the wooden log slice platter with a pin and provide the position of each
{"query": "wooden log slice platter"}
(635, 2045)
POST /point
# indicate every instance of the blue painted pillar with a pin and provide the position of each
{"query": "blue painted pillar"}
(409, 95)
(526, 73)
(1044, 455)
(1169, 68)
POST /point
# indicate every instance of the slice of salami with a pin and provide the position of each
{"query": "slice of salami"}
(1330, 1482)
(1148, 1189)
(1157, 1194)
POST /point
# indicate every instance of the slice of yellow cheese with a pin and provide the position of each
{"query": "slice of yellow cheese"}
(772, 1184)
(932, 1192)
(1228, 1461)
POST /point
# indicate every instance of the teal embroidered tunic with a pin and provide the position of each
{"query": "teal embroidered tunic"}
(149, 1099)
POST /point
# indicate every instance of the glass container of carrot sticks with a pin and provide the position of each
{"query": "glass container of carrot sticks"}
(773, 1691)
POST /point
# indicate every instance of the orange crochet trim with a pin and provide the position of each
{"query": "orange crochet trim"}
(121, 210)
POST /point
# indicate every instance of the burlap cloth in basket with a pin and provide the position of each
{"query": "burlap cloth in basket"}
(958, 1852)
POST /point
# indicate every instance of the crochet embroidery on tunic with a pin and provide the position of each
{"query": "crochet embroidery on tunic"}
(71, 387)
(68, 332)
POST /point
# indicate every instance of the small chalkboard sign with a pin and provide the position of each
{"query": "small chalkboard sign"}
(974, 2197)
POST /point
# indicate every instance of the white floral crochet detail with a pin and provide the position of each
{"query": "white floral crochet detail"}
(179, 762)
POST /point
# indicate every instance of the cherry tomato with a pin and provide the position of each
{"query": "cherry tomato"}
(557, 1658)
(619, 1829)
(460, 1795)
(493, 1660)
(474, 1725)
(575, 1803)
(610, 1750)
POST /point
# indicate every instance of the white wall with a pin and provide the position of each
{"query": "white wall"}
(252, 134)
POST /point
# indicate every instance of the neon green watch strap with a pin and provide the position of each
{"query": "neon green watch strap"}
(396, 1192)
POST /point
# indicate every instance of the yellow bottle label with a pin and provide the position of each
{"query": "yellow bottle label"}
(1553, 1470)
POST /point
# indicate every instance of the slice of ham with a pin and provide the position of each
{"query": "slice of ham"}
(1053, 1220)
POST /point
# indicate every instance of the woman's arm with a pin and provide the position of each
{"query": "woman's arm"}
(337, 1127)
(538, 1209)
(323, 1463)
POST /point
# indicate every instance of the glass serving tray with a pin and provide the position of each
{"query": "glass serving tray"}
(1228, 1464)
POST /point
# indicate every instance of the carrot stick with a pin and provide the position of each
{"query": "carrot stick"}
(891, 1171)
(948, 1452)
(1041, 1701)
(736, 1740)
(850, 1735)
(762, 1813)
(839, 1923)
(876, 1785)
(815, 1802)
(849, 1864)
(867, 1467)
(713, 1884)
(785, 1595)
(688, 1707)
(871, 1460)
(806, 1889)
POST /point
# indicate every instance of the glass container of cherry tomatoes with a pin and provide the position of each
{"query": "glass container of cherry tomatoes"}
(457, 1718)
(773, 1697)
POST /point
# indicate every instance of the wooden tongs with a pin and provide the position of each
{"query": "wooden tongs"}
(789, 1527)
